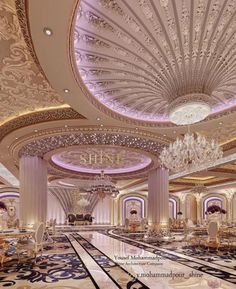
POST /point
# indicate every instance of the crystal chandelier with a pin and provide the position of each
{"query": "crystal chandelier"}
(191, 152)
(103, 186)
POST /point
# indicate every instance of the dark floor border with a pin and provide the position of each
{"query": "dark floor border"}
(91, 277)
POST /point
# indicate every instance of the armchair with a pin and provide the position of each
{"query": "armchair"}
(88, 219)
(32, 247)
(71, 219)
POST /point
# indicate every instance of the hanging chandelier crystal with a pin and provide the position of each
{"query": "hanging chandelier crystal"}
(103, 186)
(83, 202)
(191, 152)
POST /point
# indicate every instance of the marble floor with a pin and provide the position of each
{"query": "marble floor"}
(92, 259)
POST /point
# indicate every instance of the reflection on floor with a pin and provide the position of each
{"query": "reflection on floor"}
(223, 256)
(92, 259)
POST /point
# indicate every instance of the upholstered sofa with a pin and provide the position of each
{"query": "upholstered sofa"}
(79, 219)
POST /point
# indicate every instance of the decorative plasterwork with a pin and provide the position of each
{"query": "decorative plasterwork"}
(137, 59)
(40, 147)
(43, 144)
(22, 14)
(38, 117)
(23, 87)
(189, 109)
(66, 198)
(93, 159)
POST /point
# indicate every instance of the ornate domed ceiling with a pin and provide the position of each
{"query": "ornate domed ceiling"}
(142, 62)
(113, 160)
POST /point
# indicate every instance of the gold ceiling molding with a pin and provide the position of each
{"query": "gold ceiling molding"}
(39, 146)
(38, 117)
(42, 142)
(199, 178)
(229, 145)
(16, 146)
(23, 86)
(54, 168)
(57, 172)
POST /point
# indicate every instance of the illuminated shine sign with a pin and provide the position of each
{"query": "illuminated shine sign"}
(101, 158)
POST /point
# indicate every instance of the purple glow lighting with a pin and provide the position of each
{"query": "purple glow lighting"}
(111, 159)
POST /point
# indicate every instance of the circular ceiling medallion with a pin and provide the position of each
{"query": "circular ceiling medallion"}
(133, 61)
(186, 111)
(113, 160)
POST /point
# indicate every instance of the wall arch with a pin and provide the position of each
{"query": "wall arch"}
(124, 202)
(172, 208)
(212, 199)
(10, 196)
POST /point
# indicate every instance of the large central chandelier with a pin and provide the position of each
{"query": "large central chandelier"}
(191, 152)
(103, 186)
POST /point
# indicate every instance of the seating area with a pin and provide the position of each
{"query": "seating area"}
(79, 219)
(118, 144)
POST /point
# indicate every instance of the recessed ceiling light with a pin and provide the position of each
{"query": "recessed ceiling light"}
(16, 137)
(35, 130)
(164, 134)
(220, 123)
(47, 31)
(98, 118)
(66, 90)
(66, 125)
(101, 125)
(136, 128)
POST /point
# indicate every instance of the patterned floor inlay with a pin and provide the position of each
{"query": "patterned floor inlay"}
(168, 254)
(119, 275)
(58, 267)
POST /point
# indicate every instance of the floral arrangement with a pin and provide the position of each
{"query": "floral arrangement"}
(133, 212)
(215, 209)
(3, 207)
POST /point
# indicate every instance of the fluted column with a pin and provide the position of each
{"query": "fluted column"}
(229, 197)
(158, 199)
(33, 190)
(198, 200)
(115, 211)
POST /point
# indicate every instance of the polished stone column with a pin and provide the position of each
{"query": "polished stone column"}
(158, 200)
(33, 190)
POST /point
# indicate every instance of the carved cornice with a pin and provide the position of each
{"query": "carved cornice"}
(39, 147)
(38, 117)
